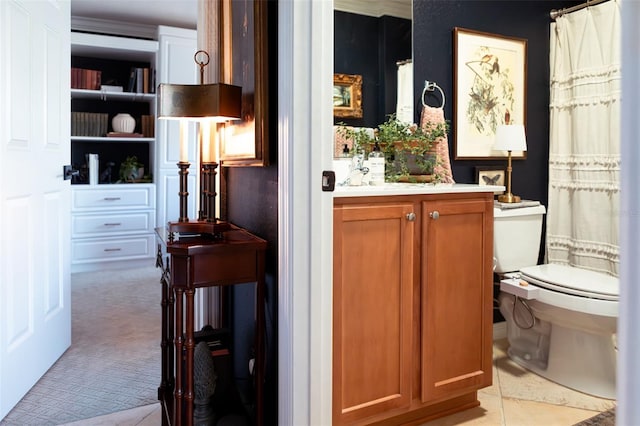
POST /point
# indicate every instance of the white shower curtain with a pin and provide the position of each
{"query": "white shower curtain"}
(404, 100)
(584, 140)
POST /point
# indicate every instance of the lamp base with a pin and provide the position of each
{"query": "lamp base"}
(508, 198)
(204, 228)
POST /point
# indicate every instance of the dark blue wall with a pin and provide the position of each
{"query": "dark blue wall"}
(433, 25)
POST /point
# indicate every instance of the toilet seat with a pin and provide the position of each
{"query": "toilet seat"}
(572, 280)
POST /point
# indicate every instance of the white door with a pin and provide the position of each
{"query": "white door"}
(35, 312)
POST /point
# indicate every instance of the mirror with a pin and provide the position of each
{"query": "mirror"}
(371, 39)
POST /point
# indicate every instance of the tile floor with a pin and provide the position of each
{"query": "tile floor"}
(516, 398)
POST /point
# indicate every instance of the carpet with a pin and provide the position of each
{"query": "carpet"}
(606, 418)
(113, 363)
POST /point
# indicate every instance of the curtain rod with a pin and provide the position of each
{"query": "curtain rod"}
(557, 13)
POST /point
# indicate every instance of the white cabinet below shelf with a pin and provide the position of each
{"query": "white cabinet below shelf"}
(112, 225)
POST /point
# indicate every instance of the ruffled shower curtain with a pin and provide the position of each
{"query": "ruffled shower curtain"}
(584, 140)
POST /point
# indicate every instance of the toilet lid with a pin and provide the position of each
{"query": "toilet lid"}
(573, 280)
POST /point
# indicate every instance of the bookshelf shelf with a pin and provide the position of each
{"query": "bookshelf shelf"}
(106, 139)
(116, 96)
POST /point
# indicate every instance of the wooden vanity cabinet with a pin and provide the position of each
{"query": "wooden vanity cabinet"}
(412, 306)
(374, 263)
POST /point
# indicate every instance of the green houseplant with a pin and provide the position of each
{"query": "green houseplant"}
(406, 148)
(131, 170)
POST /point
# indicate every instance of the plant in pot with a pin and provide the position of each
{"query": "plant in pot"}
(407, 148)
(131, 170)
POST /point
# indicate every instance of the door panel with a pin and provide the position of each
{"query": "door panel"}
(35, 313)
(372, 303)
(457, 292)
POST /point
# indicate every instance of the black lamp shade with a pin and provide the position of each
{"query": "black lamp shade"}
(217, 102)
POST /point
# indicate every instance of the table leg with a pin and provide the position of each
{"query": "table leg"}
(189, 345)
(177, 400)
(165, 345)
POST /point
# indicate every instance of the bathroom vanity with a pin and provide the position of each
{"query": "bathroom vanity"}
(412, 301)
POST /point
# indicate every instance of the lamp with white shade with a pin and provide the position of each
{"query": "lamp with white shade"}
(510, 137)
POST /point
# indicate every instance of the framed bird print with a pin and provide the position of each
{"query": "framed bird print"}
(490, 82)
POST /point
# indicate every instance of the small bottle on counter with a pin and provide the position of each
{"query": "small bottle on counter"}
(376, 166)
(345, 151)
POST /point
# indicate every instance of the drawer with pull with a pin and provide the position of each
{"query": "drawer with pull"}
(95, 225)
(113, 197)
(110, 249)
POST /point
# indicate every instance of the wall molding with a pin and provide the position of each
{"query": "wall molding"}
(103, 26)
(376, 8)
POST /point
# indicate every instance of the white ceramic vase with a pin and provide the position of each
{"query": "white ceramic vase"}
(123, 123)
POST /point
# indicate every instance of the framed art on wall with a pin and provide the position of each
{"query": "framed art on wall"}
(490, 89)
(487, 175)
(347, 95)
(245, 53)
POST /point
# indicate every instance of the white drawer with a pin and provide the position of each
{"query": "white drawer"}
(114, 197)
(93, 225)
(110, 249)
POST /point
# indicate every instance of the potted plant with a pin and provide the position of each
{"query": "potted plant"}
(406, 148)
(131, 170)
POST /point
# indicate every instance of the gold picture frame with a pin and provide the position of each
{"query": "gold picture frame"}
(347, 95)
(245, 53)
(490, 78)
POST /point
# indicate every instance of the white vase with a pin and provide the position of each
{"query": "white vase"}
(123, 123)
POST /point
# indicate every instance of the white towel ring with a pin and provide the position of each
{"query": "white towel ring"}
(430, 86)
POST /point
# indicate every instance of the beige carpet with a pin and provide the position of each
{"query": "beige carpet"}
(113, 363)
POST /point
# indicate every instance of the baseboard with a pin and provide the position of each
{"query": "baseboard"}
(499, 330)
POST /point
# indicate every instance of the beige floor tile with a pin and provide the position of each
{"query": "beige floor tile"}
(531, 413)
(489, 413)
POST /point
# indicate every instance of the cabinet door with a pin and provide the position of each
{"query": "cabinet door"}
(457, 280)
(372, 309)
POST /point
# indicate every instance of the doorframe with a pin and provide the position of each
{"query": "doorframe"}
(305, 123)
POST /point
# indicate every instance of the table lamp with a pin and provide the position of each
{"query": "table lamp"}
(205, 104)
(510, 137)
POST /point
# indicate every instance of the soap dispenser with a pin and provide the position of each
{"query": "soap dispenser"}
(376, 166)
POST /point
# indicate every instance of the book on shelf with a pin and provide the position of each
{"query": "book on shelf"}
(145, 80)
(132, 80)
(87, 79)
(148, 126)
(89, 123)
(124, 135)
(140, 80)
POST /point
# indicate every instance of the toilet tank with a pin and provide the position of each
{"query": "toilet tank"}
(516, 237)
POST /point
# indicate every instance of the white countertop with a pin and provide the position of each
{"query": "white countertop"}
(413, 189)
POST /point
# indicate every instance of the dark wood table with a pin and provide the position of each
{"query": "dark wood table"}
(235, 257)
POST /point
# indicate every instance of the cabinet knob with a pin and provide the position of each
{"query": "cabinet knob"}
(411, 216)
(434, 215)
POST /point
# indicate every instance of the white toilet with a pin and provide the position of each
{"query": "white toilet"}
(561, 320)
